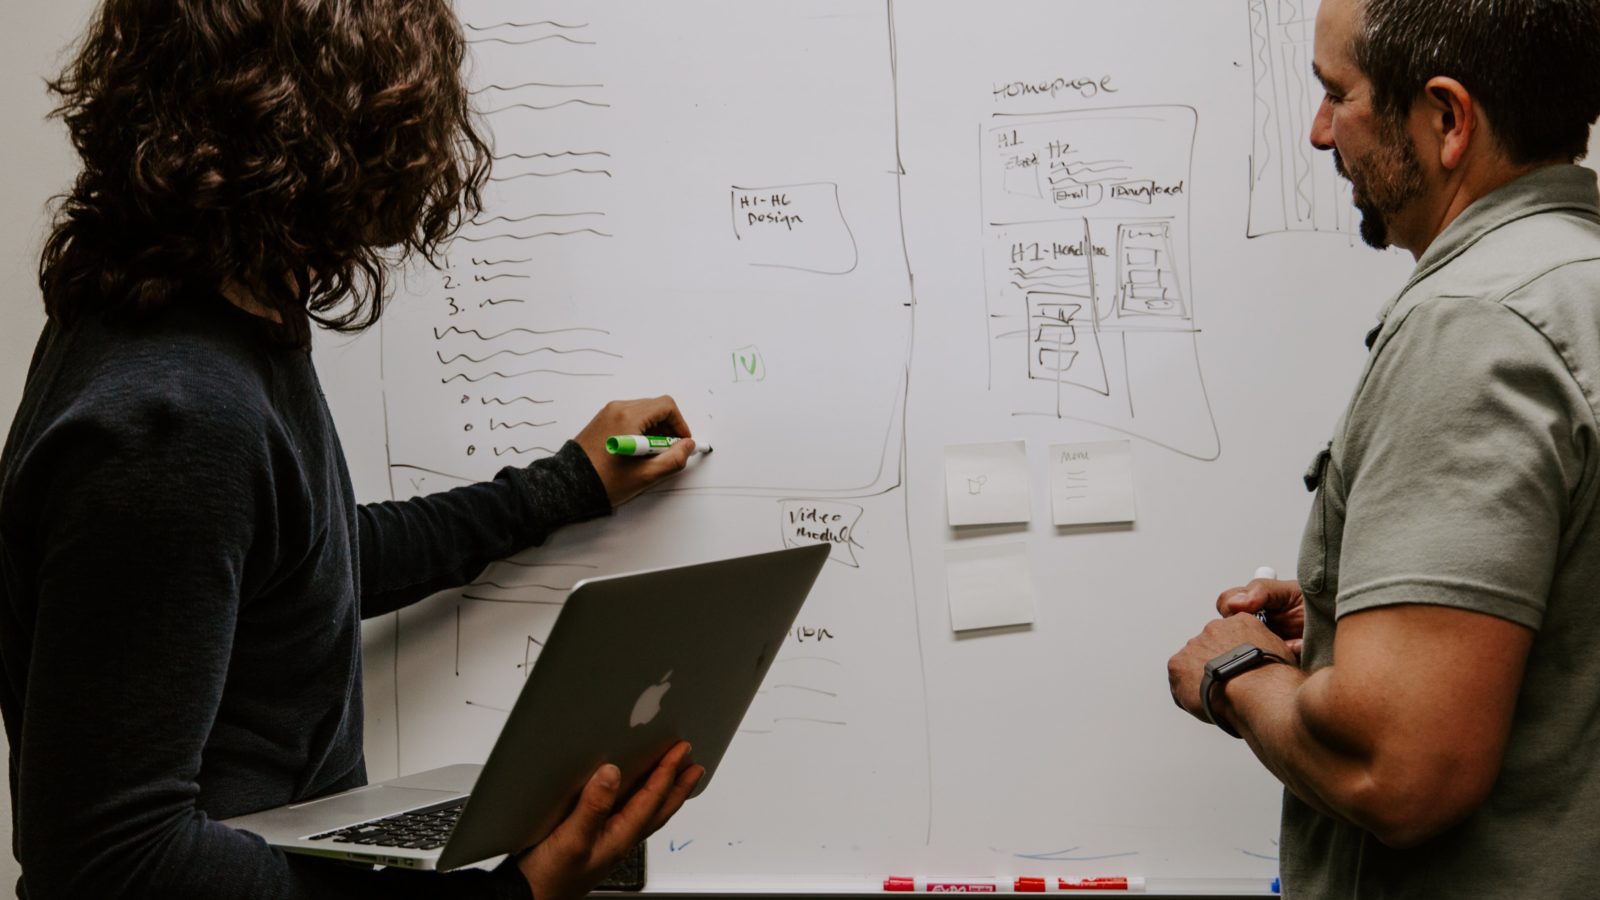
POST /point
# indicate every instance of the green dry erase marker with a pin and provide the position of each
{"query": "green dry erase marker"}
(645, 445)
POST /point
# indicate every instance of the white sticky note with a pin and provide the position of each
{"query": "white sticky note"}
(1091, 483)
(987, 484)
(990, 586)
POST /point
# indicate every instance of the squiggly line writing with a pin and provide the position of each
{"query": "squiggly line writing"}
(535, 216)
(507, 156)
(478, 359)
(474, 379)
(526, 237)
(439, 334)
(502, 451)
(605, 172)
(528, 84)
(500, 401)
(537, 108)
(550, 22)
(548, 37)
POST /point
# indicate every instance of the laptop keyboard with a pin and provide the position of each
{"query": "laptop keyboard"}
(421, 829)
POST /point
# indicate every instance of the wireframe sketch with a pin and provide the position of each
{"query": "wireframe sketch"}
(1293, 186)
(794, 226)
(1091, 317)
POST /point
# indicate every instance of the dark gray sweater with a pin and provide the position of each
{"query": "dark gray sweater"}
(183, 568)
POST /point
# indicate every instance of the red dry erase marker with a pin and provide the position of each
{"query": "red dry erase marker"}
(1117, 883)
(902, 884)
(1034, 885)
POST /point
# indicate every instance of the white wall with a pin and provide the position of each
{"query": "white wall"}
(39, 164)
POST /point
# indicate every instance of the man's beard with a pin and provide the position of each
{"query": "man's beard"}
(1385, 182)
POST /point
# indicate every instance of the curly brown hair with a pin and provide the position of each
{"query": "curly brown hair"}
(292, 148)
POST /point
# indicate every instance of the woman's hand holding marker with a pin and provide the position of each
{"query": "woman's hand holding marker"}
(646, 445)
(625, 478)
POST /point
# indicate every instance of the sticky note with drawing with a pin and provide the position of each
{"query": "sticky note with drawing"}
(987, 484)
(1091, 483)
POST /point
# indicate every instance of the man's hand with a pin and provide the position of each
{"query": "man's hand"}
(626, 476)
(590, 841)
(1282, 601)
(1187, 667)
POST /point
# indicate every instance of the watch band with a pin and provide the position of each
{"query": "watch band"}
(1221, 669)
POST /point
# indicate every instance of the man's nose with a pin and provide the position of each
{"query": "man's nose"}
(1322, 126)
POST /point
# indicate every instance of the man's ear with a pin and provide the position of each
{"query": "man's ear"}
(1451, 118)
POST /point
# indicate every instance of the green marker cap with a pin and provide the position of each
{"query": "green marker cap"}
(622, 445)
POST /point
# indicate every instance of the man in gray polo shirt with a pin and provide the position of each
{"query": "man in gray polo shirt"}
(1440, 735)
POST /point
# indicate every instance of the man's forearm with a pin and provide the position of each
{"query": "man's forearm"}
(1265, 708)
(1402, 736)
(1346, 756)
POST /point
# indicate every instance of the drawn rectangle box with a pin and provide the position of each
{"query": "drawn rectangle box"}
(1056, 337)
(1135, 191)
(1055, 334)
(1056, 361)
(1140, 264)
(1060, 345)
(1078, 196)
(1129, 160)
(1052, 341)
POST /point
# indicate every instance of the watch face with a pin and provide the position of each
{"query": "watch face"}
(1237, 660)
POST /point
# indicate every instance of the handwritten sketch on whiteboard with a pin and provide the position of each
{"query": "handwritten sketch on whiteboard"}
(794, 226)
(606, 266)
(1086, 216)
(1293, 187)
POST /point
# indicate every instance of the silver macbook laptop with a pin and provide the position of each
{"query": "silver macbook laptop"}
(633, 664)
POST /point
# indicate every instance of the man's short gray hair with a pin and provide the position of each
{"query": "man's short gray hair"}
(1533, 66)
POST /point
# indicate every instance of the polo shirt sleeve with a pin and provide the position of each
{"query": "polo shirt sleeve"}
(1462, 453)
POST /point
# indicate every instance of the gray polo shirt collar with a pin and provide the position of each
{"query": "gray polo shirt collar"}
(1542, 190)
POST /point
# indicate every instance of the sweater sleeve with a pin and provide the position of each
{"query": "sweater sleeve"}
(413, 548)
(146, 538)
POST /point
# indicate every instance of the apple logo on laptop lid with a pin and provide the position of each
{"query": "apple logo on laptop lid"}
(648, 706)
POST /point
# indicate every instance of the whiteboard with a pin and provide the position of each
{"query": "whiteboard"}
(846, 234)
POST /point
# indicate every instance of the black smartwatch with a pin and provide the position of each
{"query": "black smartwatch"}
(1232, 664)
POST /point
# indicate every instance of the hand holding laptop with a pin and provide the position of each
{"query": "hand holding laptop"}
(593, 838)
(601, 683)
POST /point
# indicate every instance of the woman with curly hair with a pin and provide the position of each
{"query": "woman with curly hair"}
(183, 566)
